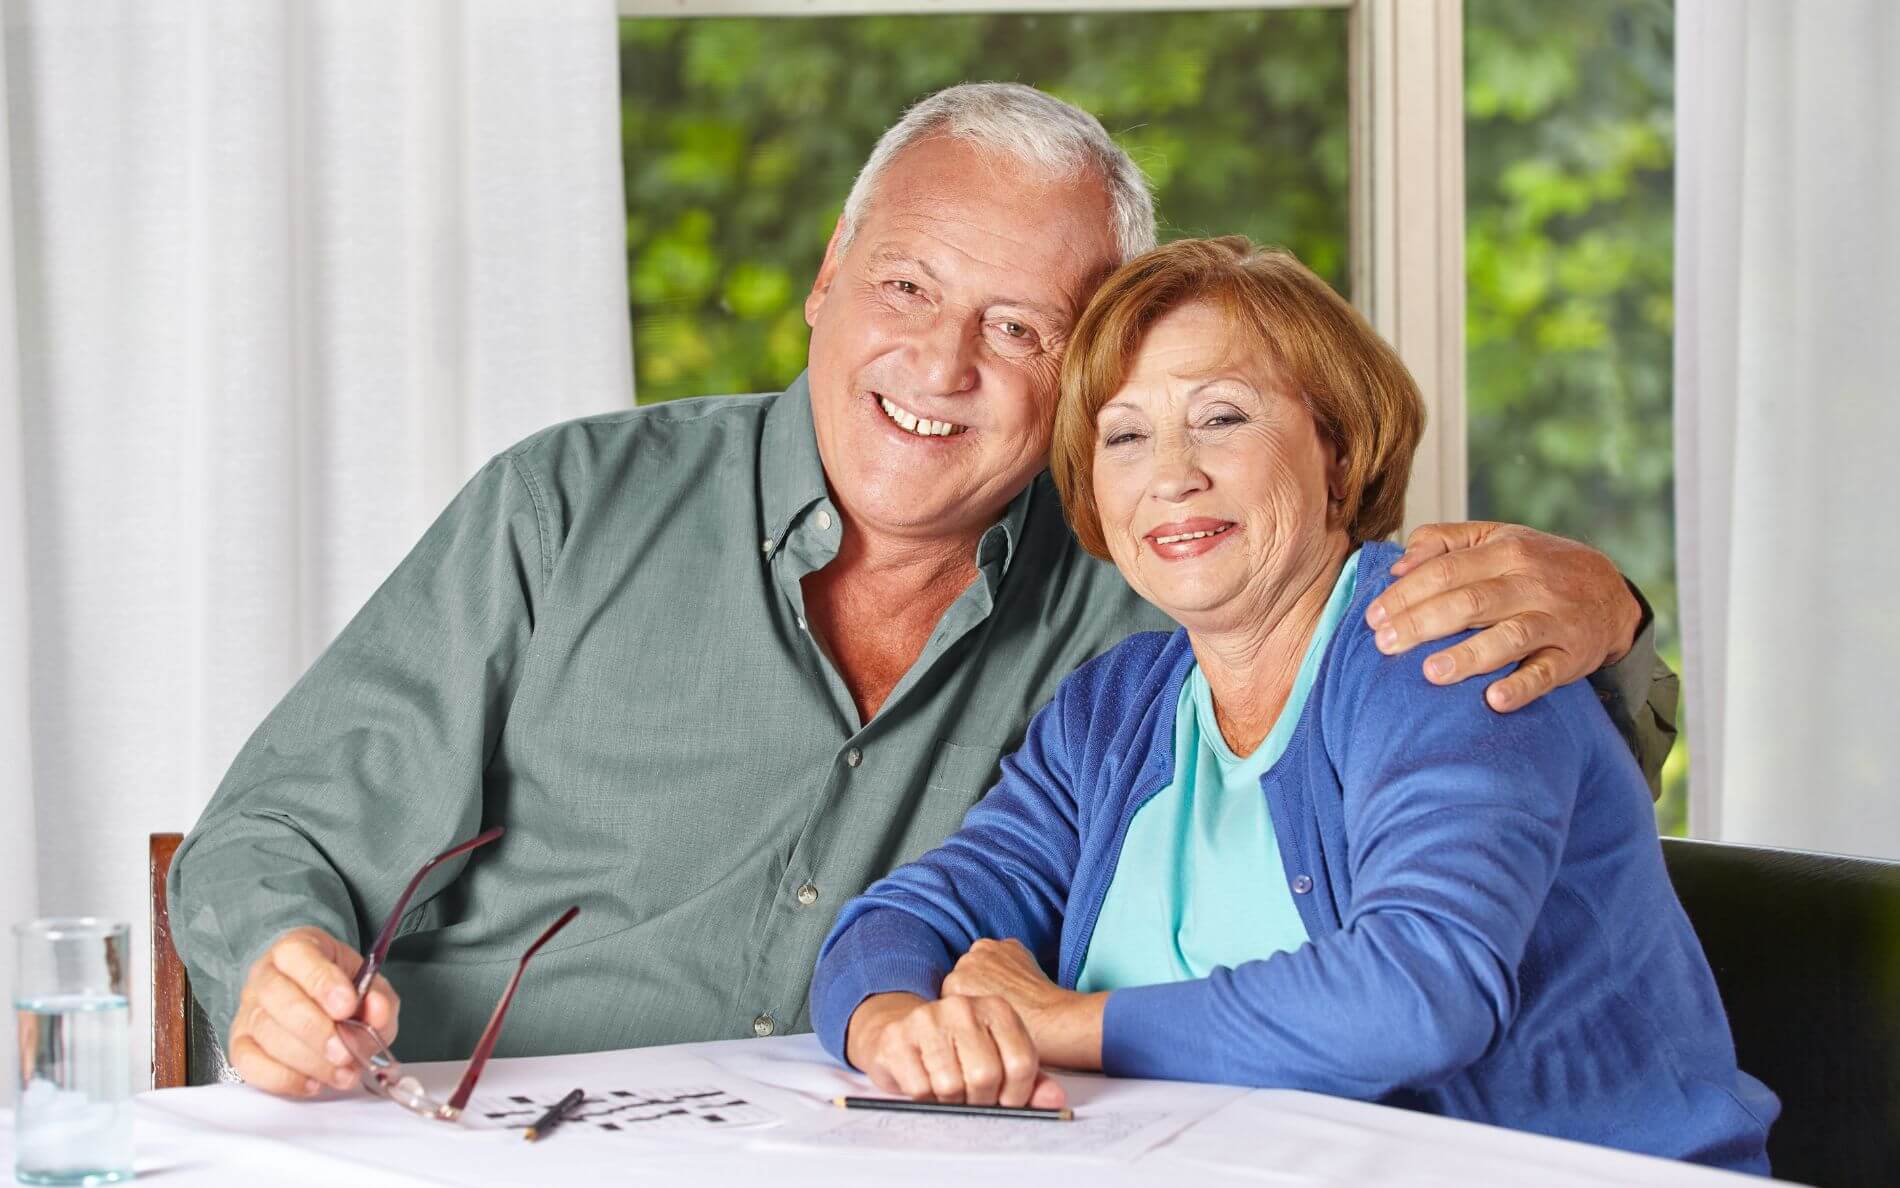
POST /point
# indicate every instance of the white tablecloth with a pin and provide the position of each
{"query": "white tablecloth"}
(232, 1135)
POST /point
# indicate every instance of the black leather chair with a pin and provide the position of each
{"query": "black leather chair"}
(1806, 950)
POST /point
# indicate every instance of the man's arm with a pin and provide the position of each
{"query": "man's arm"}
(1557, 609)
(370, 765)
(1640, 693)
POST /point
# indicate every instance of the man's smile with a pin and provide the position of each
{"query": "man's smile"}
(913, 424)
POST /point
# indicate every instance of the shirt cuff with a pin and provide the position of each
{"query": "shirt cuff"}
(222, 922)
(1626, 682)
(1639, 694)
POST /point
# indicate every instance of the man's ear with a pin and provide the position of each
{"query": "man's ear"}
(827, 272)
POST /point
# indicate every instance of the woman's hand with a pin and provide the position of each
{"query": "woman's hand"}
(1065, 1025)
(958, 1049)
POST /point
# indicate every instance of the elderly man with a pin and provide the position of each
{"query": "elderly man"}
(717, 665)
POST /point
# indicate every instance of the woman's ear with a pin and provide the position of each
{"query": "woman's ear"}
(1336, 488)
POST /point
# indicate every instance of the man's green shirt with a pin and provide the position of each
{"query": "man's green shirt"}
(601, 646)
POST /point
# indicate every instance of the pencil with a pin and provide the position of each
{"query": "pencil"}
(903, 1105)
(557, 1114)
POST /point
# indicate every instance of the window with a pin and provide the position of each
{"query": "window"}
(1570, 203)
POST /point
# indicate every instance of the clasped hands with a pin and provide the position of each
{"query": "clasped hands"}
(999, 1021)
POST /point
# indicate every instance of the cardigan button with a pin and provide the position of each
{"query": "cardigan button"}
(1302, 885)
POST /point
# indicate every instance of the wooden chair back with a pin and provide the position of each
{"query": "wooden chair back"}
(185, 1048)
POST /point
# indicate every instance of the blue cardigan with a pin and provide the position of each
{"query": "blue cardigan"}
(1494, 936)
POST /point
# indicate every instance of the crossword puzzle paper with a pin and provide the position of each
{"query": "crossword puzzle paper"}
(1121, 1136)
(701, 1108)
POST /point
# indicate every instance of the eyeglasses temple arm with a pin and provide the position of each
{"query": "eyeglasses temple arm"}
(492, 1032)
(374, 960)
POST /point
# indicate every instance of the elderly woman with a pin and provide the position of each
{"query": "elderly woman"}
(1257, 850)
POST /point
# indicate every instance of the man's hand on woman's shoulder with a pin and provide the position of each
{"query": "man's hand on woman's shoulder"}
(283, 1038)
(1558, 607)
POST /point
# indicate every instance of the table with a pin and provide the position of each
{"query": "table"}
(233, 1135)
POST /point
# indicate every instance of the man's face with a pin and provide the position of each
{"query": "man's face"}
(937, 337)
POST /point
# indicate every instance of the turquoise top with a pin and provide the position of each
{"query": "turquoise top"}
(1199, 883)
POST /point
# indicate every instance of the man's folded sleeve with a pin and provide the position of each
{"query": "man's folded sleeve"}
(1640, 693)
(373, 762)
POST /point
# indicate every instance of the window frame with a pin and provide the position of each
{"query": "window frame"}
(1406, 222)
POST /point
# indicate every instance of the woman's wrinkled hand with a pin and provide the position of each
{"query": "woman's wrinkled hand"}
(1005, 969)
(956, 1049)
(1066, 1025)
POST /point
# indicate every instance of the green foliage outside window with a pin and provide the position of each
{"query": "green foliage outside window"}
(742, 137)
(1569, 189)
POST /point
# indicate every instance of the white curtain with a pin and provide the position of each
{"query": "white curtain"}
(1788, 418)
(18, 877)
(282, 275)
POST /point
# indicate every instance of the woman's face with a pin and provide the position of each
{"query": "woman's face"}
(1211, 479)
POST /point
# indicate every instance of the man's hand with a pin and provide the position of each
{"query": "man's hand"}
(1559, 607)
(284, 1038)
(1066, 1025)
(956, 1049)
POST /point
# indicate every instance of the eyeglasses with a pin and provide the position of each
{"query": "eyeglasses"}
(382, 1072)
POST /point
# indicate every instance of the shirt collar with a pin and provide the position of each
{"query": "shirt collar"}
(791, 474)
(792, 478)
(998, 544)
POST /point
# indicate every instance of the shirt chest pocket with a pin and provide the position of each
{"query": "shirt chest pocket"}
(957, 777)
(968, 768)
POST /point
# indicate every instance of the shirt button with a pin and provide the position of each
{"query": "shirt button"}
(765, 546)
(1302, 885)
(824, 521)
(801, 624)
(763, 1026)
(853, 757)
(808, 895)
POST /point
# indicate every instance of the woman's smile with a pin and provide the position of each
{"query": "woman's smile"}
(1179, 540)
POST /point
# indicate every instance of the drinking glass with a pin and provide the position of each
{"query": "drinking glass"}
(73, 1124)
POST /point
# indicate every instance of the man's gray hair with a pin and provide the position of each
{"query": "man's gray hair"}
(1054, 138)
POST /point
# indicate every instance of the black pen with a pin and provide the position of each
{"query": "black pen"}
(904, 1105)
(557, 1114)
